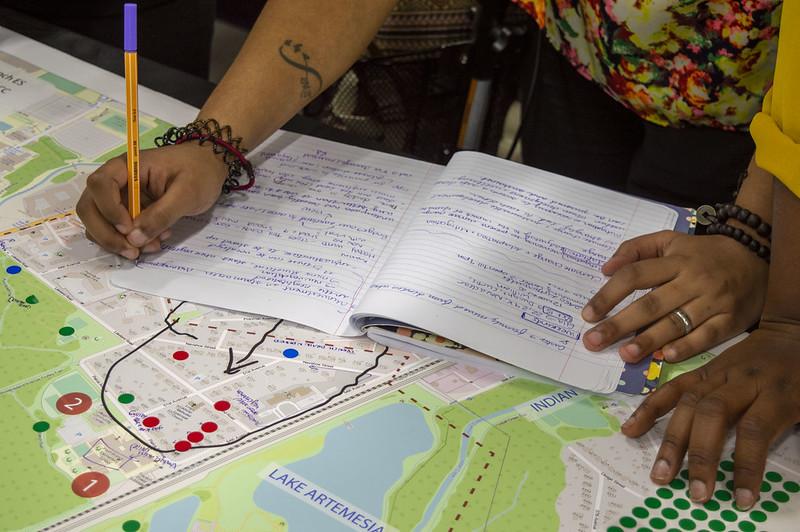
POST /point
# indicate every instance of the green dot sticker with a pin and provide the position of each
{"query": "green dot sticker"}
(682, 504)
(769, 506)
(722, 495)
(773, 476)
(66, 331)
(720, 476)
(765, 487)
(41, 426)
(711, 505)
(687, 524)
(31, 299)
(652, 502)
(726, 465)
(640, 512)
(716, 525)
(658, 523)
(131, 526)
(614, 529)
(677, 484)
(747, 526)
(730, 486)
(125, 398)
(628, 522)
(758, 516)
(670, 513)
(791, 486)
(728, 515)
(780, 496)
(699, 515)
(664, 493)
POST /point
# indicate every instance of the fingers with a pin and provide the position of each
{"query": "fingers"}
(710, 333)
(713, 414)
(665, 330)
(662, 401)
(676, 437)
(157, 218)
(642, 247)
(100, 231)
(639, 275)
(645, 310)
(756, 431)
(104, 187)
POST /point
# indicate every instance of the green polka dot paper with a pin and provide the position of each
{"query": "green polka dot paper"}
(670, 509)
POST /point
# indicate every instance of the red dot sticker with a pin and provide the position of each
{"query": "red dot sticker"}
(222, 405)
(182, 446)
(209, 426)
(180, 355)
(195, 437)
(73, 403)
(150, 422)
(90, 484)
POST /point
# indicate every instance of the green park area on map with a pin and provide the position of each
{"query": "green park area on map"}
(42, 338)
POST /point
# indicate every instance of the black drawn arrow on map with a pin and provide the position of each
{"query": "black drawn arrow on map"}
(234, 367)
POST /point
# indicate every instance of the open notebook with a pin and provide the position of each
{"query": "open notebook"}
(491, 254)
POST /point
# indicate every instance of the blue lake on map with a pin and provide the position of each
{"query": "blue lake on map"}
(358, 463)
(176, 516)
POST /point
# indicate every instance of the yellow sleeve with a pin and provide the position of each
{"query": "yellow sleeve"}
(776, 129)
(776, 152)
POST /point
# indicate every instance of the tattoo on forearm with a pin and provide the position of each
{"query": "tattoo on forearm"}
(295, 56)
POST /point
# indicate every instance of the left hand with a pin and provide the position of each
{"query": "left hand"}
(754, 385)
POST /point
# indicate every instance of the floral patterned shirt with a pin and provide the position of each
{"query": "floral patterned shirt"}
(672, 62)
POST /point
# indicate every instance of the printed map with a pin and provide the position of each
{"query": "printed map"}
(123, 411)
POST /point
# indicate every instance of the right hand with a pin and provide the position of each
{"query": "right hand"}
(720, 284)
(175, 181)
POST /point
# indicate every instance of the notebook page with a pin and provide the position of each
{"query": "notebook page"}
(303, 244)
(502, 257)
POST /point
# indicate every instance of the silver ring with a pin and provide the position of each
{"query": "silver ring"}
(682, 320)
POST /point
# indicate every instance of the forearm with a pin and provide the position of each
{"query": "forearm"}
(295, 50)
(783, 290)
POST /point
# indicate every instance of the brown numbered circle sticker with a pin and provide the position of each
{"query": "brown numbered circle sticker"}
(74, 403)
(90, 484)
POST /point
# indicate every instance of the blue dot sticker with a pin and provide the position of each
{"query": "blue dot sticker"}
(290, 353)
(13, 270)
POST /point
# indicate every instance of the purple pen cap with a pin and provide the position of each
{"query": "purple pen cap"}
(130, 27)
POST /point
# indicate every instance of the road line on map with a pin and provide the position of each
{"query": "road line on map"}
(36, 222)
(58, 239)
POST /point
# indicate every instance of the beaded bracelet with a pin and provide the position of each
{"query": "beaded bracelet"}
(222, 142)
(762, 250)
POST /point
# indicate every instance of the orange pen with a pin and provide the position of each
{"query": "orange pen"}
(132, 109)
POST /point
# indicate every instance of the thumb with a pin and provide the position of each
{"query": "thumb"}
(159, 216)
(642, 247)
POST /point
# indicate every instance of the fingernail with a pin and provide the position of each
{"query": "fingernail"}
(660, 470)
(629, 421)
(744, 498)
(669, 354)
(122, 229)
(697, 490)
(588, 313)
(594, 338)
(631, 350)
(137, 238)
(130, 254)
